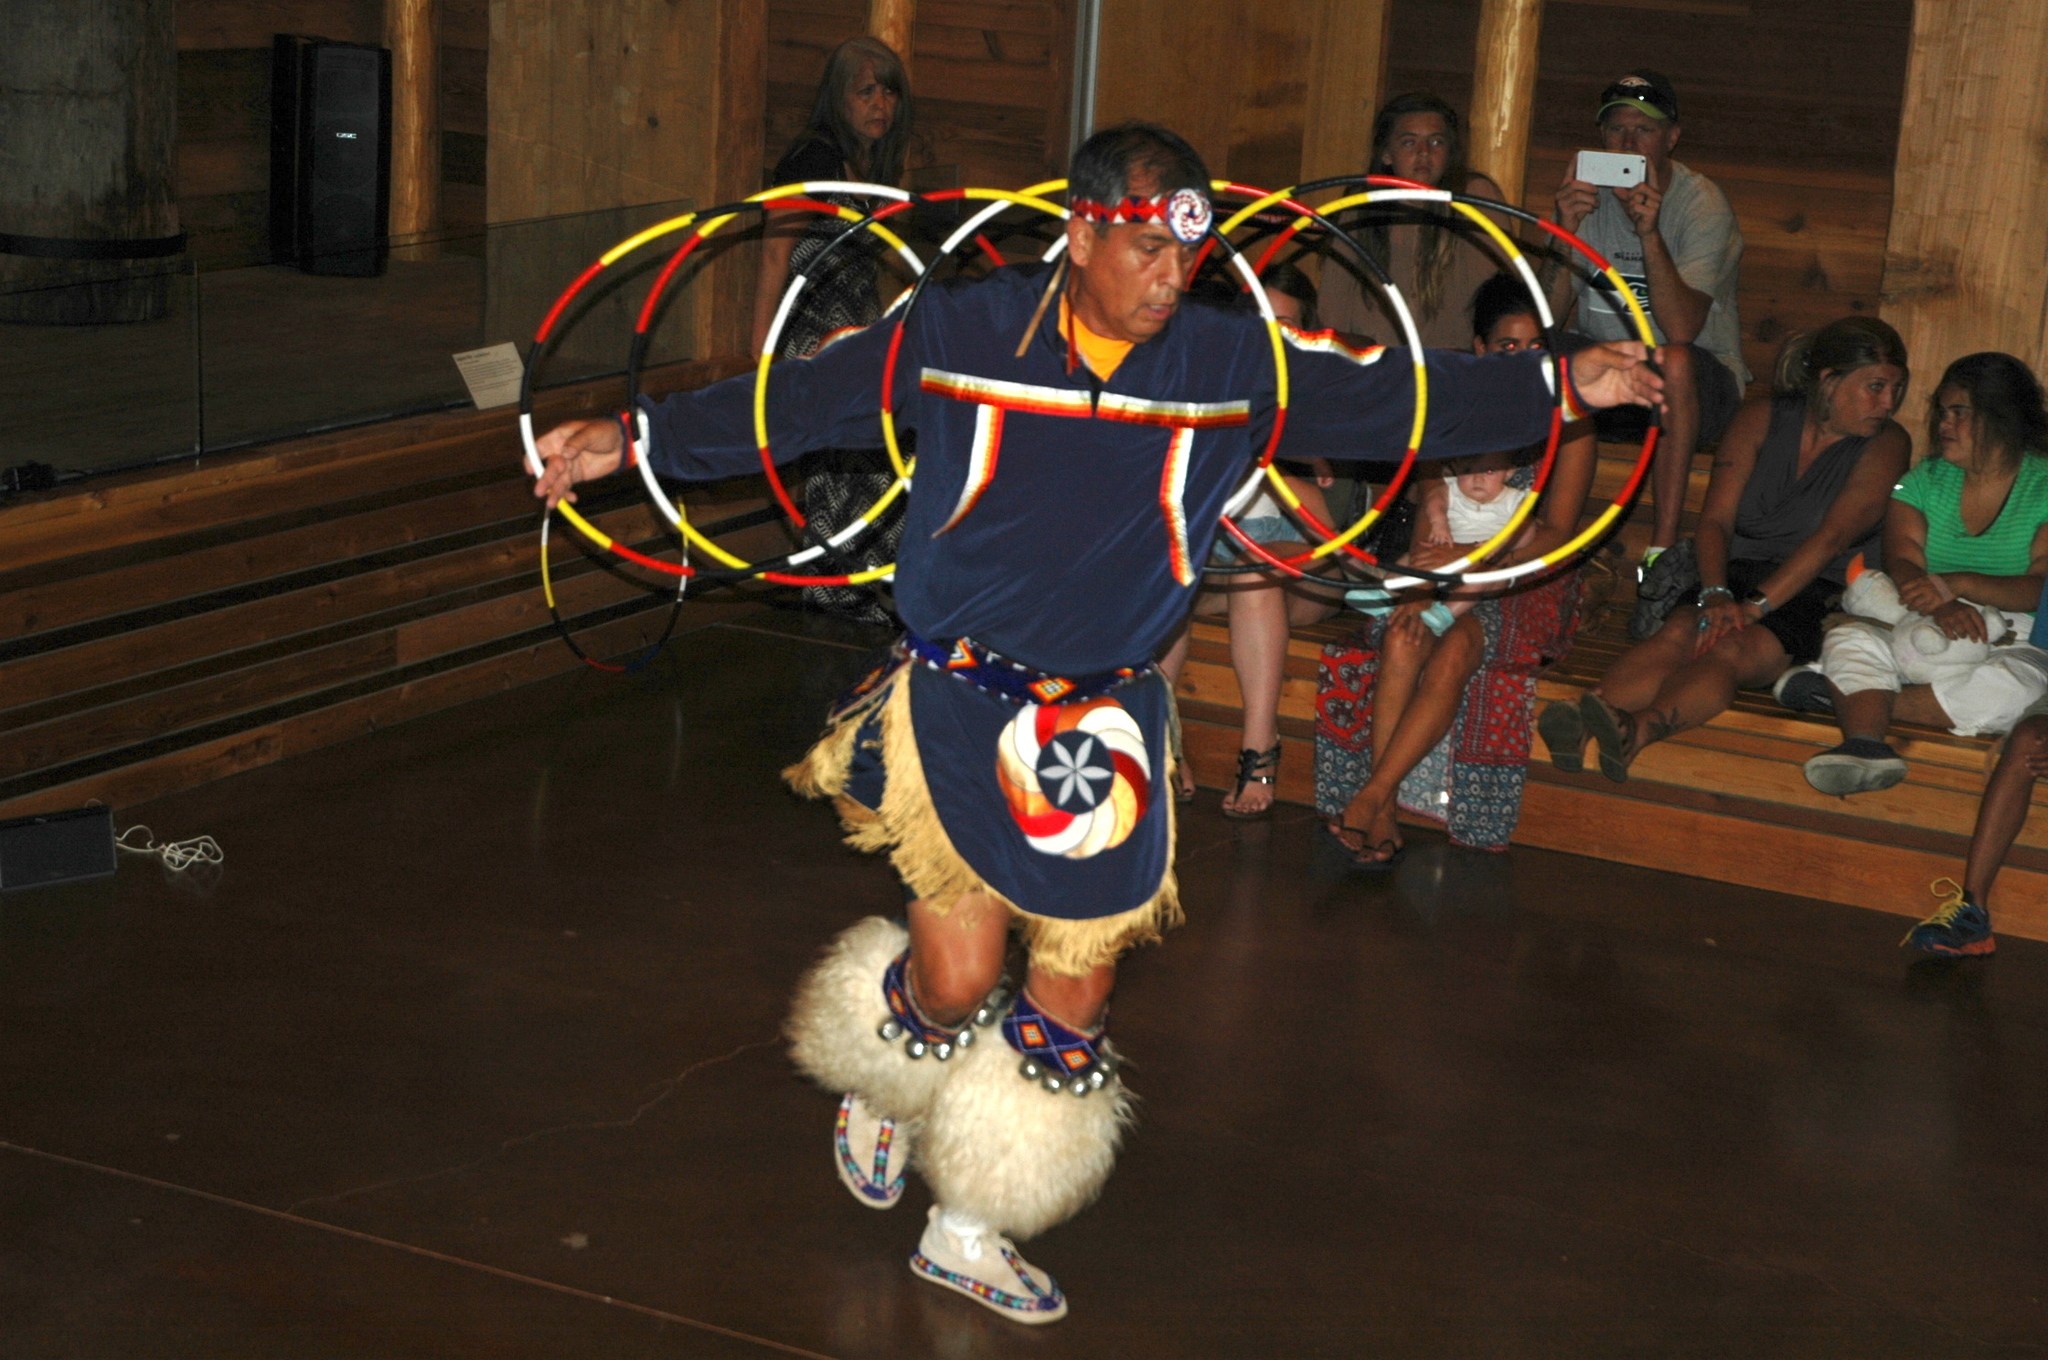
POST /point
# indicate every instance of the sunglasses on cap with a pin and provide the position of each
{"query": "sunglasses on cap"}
(1639, 92)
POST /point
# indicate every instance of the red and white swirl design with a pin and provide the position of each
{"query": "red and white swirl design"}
(1105, 784)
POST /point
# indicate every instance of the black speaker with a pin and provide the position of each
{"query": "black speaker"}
(56, 847)
(330, 155)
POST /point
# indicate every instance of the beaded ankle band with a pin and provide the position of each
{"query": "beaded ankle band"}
(1056, 1057)
(920, 1036)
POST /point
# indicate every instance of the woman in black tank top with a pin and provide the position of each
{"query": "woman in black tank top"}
(1799, 489)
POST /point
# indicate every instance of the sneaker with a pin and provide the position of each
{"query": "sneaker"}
(985, 1267)
(869, 1152)
(1803, 689)
(1661, 586)
(1958, 929)
(1858, 765)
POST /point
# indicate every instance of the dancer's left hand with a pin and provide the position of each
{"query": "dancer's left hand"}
(1616, 374)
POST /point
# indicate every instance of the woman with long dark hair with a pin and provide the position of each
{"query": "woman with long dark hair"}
(859, 130)
(1415, 137)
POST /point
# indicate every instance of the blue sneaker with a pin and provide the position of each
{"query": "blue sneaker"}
(1958, 929)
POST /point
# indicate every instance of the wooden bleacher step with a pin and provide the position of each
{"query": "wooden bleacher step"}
(225, 616)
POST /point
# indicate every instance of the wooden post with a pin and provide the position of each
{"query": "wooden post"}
(89, 104)
(413, 33)
(894, 22)
(1504, 91)
(1347, 78)
(1969, 228)
(725, 316)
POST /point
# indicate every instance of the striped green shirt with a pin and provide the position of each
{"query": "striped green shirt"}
(1935, 489)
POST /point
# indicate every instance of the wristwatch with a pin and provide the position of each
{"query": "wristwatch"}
(1762, 602)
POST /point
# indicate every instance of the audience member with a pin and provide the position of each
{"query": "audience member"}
(1961, 926)
(1378, 734)
(1797, 495)
(1416, 137)
(1261, 605)
(859, 130)
(1674, 241)
(1967, 527)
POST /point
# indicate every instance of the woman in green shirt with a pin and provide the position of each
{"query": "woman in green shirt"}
(1967, 527)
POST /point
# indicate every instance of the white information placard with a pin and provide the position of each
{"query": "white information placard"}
(491, 374)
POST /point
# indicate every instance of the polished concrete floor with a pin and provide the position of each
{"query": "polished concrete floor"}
(470, 1049)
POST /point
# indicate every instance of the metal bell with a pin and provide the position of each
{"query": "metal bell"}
(1030, 1069)
(1096, 1079)
(915, 1048)
(891, 1030)
(1052, 1082)
(965, 1037)
(942, 1050)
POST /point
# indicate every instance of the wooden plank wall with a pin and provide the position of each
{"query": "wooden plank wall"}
(597, 106)
(1963, 269)
(1792, 109)
(223, 177)
(989, 77)
(1231, 78)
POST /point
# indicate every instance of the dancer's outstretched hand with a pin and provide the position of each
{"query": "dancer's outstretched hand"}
(577, 451)
(1617, 374)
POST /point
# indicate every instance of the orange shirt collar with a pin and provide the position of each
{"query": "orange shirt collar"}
(1100, 353)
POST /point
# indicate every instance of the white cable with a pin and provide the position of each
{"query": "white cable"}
(176, 855)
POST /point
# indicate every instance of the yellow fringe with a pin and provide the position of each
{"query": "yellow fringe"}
(907, 827)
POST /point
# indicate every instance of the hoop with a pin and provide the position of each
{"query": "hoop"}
(707, 223)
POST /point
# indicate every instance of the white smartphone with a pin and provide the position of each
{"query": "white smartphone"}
(1619, 169)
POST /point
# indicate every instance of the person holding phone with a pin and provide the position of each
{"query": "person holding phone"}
(1673, 239)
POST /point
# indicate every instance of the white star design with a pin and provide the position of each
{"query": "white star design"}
(1071, 771)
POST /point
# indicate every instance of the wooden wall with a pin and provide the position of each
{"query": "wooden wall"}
(1969, 237)
(599, 106)
(990, 79)
(223, 180)
(465, 113)
(1792, 109)
(1231, 78)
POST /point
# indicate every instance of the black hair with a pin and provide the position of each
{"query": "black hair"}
(2007, 398)
(1105, 164)
(881, 163)
(1290, 281)
(1500, 297)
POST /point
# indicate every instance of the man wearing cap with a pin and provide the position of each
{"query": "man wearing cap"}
(1674, 240)
(1079, 434)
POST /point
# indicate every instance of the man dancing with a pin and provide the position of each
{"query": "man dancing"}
(1078, 435)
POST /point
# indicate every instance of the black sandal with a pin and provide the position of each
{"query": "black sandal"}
(1256, 767)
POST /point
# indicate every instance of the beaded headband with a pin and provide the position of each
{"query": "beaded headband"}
(1184, 212)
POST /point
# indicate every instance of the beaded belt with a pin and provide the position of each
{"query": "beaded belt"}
(1013, 681)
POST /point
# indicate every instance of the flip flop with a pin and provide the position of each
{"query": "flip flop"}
(1610, 731)
(1373, 859)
